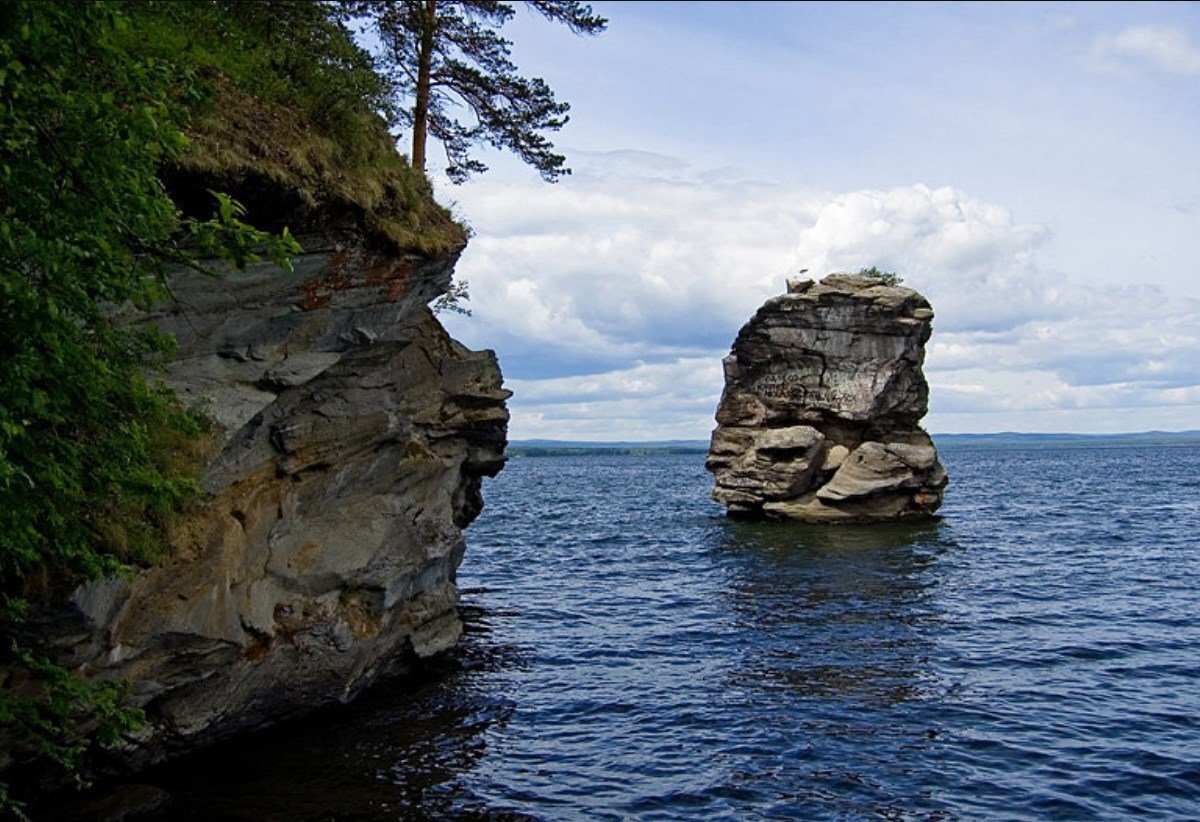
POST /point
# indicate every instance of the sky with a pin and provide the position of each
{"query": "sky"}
(1033, 169)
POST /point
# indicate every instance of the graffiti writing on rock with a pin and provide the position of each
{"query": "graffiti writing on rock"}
(791, 388)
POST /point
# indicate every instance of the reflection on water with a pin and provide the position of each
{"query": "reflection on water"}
(841, 619)
(633, 654)
(837, 607)
(855, 541)
(402, 751)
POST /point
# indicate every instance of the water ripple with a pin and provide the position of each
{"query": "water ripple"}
(631, 653)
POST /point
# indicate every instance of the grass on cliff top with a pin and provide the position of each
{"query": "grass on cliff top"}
(293, 107)
(239, 142)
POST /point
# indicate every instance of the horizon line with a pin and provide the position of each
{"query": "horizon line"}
(1151, 432)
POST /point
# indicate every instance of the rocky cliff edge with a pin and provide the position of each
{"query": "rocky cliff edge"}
(351, 436)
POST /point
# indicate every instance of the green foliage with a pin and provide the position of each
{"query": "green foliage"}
(85, 224)
(885, 277)
(228, 238)
(67, 714)
(285, 101)
(457, 294)
(449, 56)
(87, 474)
(243, 143)
(295, 52)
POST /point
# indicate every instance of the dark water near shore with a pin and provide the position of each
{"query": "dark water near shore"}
(633, 654)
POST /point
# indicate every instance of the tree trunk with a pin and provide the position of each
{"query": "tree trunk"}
(424, 67)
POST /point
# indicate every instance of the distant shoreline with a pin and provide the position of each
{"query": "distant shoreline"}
(945, 442)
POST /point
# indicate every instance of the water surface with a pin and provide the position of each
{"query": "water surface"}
(633, 654)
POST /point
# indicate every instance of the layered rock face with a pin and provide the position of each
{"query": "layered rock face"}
(352, 436)
(823, 396)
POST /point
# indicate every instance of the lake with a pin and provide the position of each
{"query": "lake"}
(631, 653)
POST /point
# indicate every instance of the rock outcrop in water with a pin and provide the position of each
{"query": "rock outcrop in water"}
(823, 396)
(352, 434)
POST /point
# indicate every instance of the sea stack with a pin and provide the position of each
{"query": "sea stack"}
(824, 393)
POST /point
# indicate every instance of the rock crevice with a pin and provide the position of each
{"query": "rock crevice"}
(824, 393)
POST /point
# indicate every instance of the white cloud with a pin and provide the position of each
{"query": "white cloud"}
(691, 379)
(667, 400)
(1164, 48)
(619, 263)
(612, 296)
(952, 247)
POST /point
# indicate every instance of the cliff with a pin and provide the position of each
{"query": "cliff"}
(351, 436)
(819, 419)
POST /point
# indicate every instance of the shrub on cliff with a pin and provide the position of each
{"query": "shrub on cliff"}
(290, 114)
(89, 446)
(885, 277)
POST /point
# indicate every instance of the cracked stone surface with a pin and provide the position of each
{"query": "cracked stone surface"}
(351, 437)
(824, 393)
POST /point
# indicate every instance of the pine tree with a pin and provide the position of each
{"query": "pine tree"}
(446, 55)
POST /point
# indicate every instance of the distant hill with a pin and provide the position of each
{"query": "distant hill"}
(557, 448)
(947, 442)
(1009, 439)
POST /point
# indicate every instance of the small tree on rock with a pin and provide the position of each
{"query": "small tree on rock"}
(448, 54)
(885, 277)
